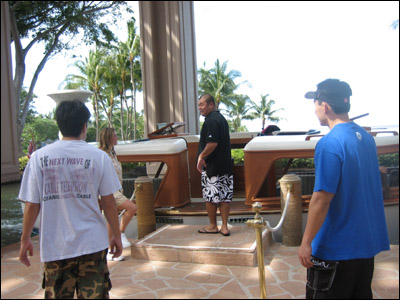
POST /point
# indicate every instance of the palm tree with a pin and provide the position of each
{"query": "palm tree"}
(124, 68)
(92, 73)
(238, 109)
(108, 73)
(264, 110)
(118, 74)
(133, 44)
(218, 83)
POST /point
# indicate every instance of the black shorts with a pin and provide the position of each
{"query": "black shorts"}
(344, 279)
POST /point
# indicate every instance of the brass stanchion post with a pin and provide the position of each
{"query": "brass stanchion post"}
(258, 223)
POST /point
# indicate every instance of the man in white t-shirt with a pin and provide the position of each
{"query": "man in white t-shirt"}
(62, 182)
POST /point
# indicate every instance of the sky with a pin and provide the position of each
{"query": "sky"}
(285, 49)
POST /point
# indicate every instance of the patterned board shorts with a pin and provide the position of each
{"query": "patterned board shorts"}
(87, 274)
(217, 188)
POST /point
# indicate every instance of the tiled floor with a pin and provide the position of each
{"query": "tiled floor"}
(142, 279)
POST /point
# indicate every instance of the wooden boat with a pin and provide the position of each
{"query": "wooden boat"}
(262, 152)
(179, 200)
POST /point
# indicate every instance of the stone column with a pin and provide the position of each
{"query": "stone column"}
(146, 218)
(169, 67)
(292, 225)
(9, 145)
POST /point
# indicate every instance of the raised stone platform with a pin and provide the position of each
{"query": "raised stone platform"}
(182, 243)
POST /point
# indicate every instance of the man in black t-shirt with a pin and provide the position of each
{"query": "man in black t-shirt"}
(215, 165)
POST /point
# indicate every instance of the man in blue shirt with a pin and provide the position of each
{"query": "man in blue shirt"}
(346, 224)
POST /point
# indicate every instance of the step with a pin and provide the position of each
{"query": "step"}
(183, 243)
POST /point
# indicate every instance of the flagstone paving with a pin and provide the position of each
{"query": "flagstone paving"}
(143, 279)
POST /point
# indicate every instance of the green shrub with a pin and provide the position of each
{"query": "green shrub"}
(23, 161)
(389, 160)
(128, 169)
(297, 163)
(237, 156)
(130, 166)
(40, 129)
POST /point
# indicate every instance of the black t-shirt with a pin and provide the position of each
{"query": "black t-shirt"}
(216, 129)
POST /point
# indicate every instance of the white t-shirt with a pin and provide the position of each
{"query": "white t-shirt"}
(66, 178)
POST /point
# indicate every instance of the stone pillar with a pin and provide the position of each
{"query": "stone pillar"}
(292, 229)
(146, 218)
(169, 69)
(9, 145)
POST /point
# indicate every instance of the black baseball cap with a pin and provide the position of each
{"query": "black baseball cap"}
(334, 92)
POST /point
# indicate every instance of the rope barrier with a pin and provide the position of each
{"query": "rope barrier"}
(272, 229)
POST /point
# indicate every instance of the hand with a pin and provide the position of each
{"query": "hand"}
(115, 247)
(25, 247)
(304, 254)
(201, 164)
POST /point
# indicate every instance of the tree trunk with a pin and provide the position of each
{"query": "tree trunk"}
(122, 115)
(134, 113)
(19, 76)
(110, 110)
(96, 115)
(133, 100)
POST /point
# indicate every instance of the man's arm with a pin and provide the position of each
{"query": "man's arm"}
(110, 210)
(201, 163)
(31, 213)
(318, 209)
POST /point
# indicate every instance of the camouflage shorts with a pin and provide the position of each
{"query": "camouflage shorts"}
(87, 274)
